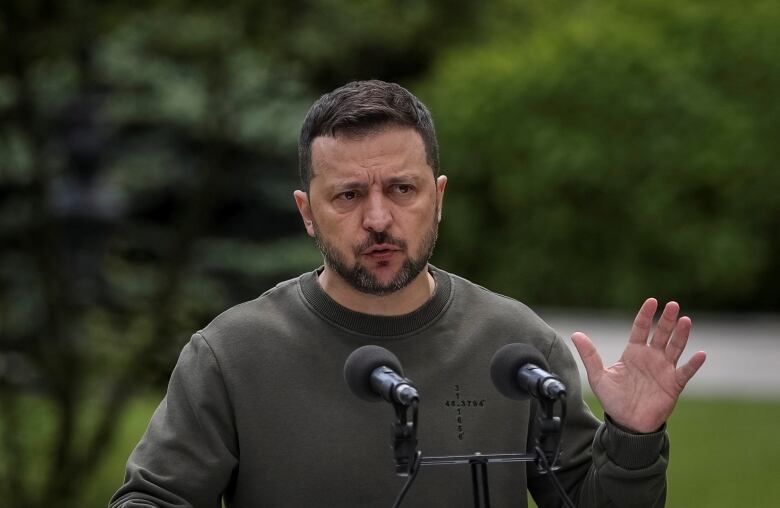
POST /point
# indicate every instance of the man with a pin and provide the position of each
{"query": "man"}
(257, 411)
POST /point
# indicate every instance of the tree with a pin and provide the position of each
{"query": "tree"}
(614, 151)
(147, 159)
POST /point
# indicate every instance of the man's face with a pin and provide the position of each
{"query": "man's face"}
(373, 207)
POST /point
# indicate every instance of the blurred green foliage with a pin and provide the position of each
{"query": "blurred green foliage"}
(147, 162)
(598, 152)
(614, 150)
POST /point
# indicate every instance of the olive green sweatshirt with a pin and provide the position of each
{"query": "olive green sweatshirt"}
(257, 412)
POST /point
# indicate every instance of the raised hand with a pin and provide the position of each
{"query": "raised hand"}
(640, 390)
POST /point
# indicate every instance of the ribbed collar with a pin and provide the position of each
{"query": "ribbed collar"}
(369, 324)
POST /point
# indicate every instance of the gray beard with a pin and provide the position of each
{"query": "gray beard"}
(364, 281)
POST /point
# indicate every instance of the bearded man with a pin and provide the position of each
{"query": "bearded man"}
(257, 413)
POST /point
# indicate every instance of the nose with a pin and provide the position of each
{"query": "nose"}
(377, 215)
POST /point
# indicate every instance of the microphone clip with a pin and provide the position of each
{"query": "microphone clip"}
(403, 434)
(547, 435)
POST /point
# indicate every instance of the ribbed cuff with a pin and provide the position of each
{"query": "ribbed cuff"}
(629, 450)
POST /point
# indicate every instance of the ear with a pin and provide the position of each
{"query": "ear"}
(441, 183)
(304, 208)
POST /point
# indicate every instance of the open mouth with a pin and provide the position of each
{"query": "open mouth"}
(381, 251)
(381, 248)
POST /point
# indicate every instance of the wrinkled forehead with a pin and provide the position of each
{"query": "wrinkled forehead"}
(385, 150)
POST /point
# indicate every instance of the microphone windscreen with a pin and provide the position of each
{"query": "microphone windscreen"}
(361, 363)
(507, 362)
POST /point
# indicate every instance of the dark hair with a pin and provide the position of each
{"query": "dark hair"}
(363, 107)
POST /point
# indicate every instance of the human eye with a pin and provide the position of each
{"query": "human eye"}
(349, 195)
(403, 189)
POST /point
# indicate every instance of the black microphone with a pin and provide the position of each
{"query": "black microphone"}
(519, 371)
(374, 373)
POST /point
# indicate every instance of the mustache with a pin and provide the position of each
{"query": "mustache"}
(376, 238)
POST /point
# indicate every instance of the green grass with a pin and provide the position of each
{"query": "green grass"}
(109, 477)
(725, 453)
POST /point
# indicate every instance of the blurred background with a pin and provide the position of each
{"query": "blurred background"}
(598, 153)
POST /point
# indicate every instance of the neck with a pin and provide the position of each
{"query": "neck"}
(400, 302)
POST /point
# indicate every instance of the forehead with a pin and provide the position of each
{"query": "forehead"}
(388, 150)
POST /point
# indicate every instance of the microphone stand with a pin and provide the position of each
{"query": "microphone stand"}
(547, 433)
(404, 436)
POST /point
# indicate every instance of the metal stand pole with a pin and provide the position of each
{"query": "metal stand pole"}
(479, 482)
(548, 436)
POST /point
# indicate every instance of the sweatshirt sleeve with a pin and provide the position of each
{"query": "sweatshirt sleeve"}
(189, 451)
(601, 465)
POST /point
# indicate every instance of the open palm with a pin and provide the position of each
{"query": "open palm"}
(640, 390)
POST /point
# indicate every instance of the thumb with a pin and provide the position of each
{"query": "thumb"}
(590, 356)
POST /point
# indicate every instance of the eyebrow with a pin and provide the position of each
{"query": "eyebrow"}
(348, 184)
(404, 179)
(353, 183)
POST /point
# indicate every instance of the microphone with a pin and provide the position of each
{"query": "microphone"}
(519, 371)
(374, 373)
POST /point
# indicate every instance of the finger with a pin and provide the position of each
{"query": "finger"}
(679, 339)
(643, 321)
(665, 326)
(589, 355)
(686, 372)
